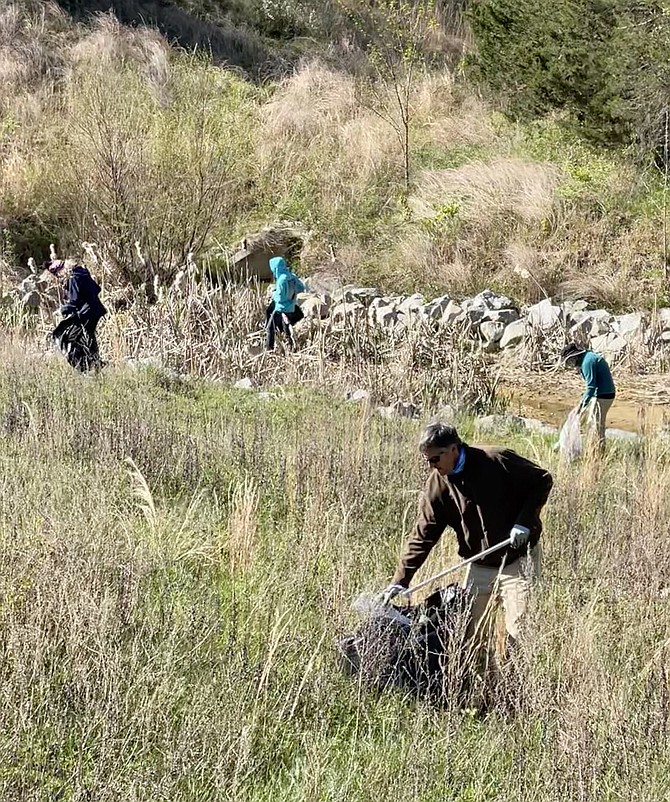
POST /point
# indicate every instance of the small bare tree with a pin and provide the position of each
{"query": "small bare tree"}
(396, 34)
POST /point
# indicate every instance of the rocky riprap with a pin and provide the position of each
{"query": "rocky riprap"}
(495, 321)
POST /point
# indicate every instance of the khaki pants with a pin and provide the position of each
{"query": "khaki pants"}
(597, 417)
(511, 584)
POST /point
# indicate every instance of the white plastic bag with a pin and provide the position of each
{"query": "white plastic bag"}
(570, 438)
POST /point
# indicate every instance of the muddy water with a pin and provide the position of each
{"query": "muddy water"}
(641, 402)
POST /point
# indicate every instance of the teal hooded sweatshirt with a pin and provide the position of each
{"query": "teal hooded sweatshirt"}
(287, 285)
(598, 378)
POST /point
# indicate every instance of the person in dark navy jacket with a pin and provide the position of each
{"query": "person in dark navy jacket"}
(82, 311)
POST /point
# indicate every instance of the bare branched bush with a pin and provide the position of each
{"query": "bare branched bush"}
(155, 178)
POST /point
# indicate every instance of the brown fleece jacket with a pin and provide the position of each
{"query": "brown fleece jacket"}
(496, 489)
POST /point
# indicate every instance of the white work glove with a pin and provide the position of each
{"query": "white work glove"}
(390, 593)
(520, 536)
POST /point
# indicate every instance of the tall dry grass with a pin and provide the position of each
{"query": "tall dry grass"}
(138, 662)
(217, 333)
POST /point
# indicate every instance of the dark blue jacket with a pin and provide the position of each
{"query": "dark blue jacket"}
(82, 296)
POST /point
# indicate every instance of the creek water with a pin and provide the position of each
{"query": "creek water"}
(641, 403)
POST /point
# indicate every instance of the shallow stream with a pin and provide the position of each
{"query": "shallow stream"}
(642, 402)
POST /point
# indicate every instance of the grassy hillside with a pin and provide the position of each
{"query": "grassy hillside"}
(167, 625)
(110, 135)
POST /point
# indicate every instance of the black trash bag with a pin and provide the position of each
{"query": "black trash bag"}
(76, 344)
(408, 648)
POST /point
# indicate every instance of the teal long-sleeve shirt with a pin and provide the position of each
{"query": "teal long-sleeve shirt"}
(598, 378)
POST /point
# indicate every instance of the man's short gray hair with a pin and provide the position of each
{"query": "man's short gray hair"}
(438, 435)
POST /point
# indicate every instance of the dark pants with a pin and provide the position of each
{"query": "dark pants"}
(75, 336)
(280, 321)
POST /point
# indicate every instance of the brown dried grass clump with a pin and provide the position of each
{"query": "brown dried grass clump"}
(111, 45)
(31, 46)
(524, 189)
(313, 102)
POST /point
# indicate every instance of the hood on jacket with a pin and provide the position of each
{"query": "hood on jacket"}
(278, 266)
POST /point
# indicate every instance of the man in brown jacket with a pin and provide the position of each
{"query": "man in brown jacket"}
(486, 495)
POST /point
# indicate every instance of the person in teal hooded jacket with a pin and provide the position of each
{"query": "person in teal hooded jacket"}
(283, 311)
(599, 392)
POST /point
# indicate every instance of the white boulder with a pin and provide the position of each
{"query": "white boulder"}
(315, 307)
(544, 315)
(244, 384)
(412, 305)
(352, 295)
(451, 314)
(514, 334)
(631, 327)
(491, 331)
(611, 346)
(435, 309)
(492, 301)
(347, 314)
(357, 396)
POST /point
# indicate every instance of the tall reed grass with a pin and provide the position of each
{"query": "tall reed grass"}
(167, 624)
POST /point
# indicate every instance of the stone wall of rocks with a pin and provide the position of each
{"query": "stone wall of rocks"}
(494, 320)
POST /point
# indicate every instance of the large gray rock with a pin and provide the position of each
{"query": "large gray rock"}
(315, 307)
(573, 311)
(434, 310)
(252, 259)
(514, 334)
(544, 315)
(492, 301)
(351, 295)
(491, 331)
(503, 316)
(591, 323)
(412, 305)
(631, 327)
(611, 346)
(384, 316)
(473, 311)
(601, 322)
(451, 314)
(381, 301)
(347, 314)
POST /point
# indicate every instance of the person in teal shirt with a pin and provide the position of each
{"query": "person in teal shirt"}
(600, 391)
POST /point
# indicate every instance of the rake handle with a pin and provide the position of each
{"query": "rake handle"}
(485, 553)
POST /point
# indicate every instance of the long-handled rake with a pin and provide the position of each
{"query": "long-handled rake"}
(372, 604)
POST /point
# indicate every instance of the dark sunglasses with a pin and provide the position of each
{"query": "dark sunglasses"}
(433, 460)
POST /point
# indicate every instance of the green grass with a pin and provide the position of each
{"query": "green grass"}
(177, 643)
